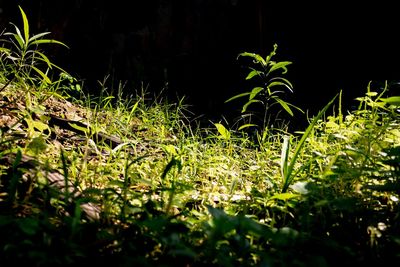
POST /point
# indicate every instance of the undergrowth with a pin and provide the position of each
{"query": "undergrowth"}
(128, 180)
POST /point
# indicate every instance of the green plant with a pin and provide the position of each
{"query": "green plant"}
(287, 163)
(23, 55)
(269, 90)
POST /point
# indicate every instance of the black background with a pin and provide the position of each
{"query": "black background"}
(190, 47)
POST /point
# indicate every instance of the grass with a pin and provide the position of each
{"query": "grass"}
(131, 180)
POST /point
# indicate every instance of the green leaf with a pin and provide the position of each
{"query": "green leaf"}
(285, 155)
(280, 65)
(224, 133)
(245, 106)
(5, 50)
(248, 125)
(284, 105)
(394, 100)
(18, 37)
(48, 41)
(26, 25)
(37, 145)
(253, 73)
(41, 126)
(39, 35)
(173, 162)
(29, 226)
(288, 178)
(273, 53)
(256, 57)
(255, 92)
(79, 128)
(44, 58)
(284, 196)
(280, 81)
(237, 96)
(44, 76)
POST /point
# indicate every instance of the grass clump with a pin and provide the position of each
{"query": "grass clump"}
(117, 180)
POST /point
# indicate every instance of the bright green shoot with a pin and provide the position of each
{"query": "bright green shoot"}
(268, 93)
(23, 54)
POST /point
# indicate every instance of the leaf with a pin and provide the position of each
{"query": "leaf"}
(284, 196)
(256, 57)
(282, 82)
(394, 100)
(79, 128)
(18, 37)
(48, 41)
(288, 177)
(39, 125)
(248, 125)
(253, 73)
(255, 92)
(29, 226)
(26, 25)
(173, 162)
(285, 155)
(37, 145)
(44, 58)
(280, 65)
(44, 76)
(224, 133)
(37, 36)
(284, 105)
(237, 96)
(5, 50)
(245, 106)
(170, 149)
(273, 53)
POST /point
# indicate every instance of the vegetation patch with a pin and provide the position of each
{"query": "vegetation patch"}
(130, 180)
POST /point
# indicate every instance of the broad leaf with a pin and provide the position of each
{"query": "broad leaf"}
(224, 133)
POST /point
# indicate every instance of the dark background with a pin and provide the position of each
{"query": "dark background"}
(190, 47)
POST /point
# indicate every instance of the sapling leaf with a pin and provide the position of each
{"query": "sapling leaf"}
(42, 74)
(256, 57)
(245, 106)
(237, 96)
(17, 36)
(253, 73)
(44, 58)
(26, 25)
(280, 65)
(48, 41)
(284, 105)
(393, 100)
(37, 36)
(255, 92)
